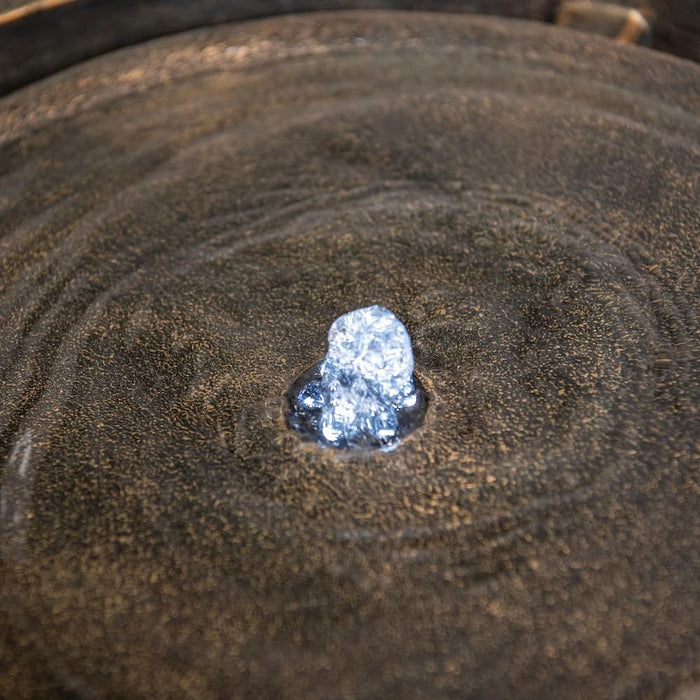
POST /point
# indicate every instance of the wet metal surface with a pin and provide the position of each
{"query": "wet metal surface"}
(181, 221)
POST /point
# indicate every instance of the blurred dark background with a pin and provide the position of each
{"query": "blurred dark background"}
(39, 38)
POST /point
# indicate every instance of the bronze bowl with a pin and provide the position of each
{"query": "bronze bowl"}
(180, 222)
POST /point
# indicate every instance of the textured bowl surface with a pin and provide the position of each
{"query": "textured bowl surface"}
(181, 221)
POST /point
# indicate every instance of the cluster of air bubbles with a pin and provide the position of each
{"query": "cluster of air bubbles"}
(363, 394)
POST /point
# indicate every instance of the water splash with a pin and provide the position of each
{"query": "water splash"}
(15, 498)
(364, 393)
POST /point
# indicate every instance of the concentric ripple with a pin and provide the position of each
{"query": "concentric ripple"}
(179, 225)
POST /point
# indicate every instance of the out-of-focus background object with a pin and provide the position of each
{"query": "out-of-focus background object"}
(627, 25)
(38, 38)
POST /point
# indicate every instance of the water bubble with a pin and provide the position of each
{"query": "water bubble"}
(363, 394)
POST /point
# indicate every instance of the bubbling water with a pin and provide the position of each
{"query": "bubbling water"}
(364, 393)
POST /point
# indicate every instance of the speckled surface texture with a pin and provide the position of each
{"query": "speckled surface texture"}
(179, 224)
